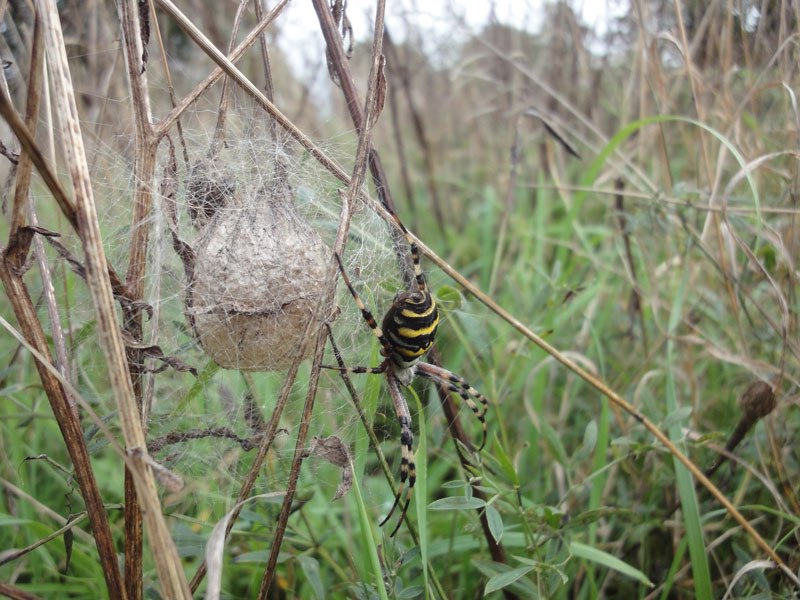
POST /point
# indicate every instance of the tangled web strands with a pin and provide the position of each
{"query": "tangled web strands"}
(205, 426)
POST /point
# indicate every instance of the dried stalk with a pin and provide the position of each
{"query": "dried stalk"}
(340, 63)
(172, 118)
(401, 72)
(168, 563)
(23, 199)
(12, 268)
(145, 145)
(11, 261)
(376, 90)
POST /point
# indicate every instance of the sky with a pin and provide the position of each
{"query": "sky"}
(299, 29)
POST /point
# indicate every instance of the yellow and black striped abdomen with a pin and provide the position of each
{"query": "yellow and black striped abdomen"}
(410, 326)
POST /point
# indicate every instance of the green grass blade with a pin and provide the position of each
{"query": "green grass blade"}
(623, 134)
(421, 488)
(368, 542)
(200, 384)
(689, 505)
(609, 561)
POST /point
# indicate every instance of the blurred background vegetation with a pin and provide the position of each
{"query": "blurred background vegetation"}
(627, 188)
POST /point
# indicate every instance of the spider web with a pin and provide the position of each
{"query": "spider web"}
(204, 429)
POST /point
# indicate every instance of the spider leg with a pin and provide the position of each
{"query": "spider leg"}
(368, 317)
(413, 249)
(459, 385)
(358, 370)
(408, 470)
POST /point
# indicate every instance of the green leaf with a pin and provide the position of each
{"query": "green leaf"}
(495, 522)
(607, 560)
(590, 435)
(585, 518)
(504, 462)
(449, 298)
(310, 568)
(553, 439)
(498, 582)
(414, 591)
(199, 385)
(677, 417)
(589, 442)
(698, 555)
(457, 503)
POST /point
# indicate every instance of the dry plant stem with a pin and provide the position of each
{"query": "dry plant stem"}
(712, 220)
(784, 480)
(458, 434)
(14, 593)
(165, 556)
(269, 89)
(144, 173)
(376, 89)
(341, 64)
(508, 208)
(24, 168)
(334, 44)
(401, 73)
(373, 439)
(405, 177)
(173, 117)
(12, 259)
(636, 298)
(22, 198)
(13, 555)
(168, 76)
(26, 140)
(42, 510)
(219, 130)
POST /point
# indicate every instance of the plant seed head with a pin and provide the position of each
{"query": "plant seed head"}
(757, 401)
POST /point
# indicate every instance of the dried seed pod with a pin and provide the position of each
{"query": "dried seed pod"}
(208, 189)
(258, 275)
(757, 401)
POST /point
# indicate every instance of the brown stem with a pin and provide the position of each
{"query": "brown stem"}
(49, 177)
(376, 88)
(14, 593)
(636, 301)
(11, 261)
(459, 435)
(144, 174)
(340, 63)
(419, 132)
(168, 564)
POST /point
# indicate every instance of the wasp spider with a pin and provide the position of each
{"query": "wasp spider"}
(406, 334)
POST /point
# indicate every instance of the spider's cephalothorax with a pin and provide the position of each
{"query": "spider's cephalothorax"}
(406, 334)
